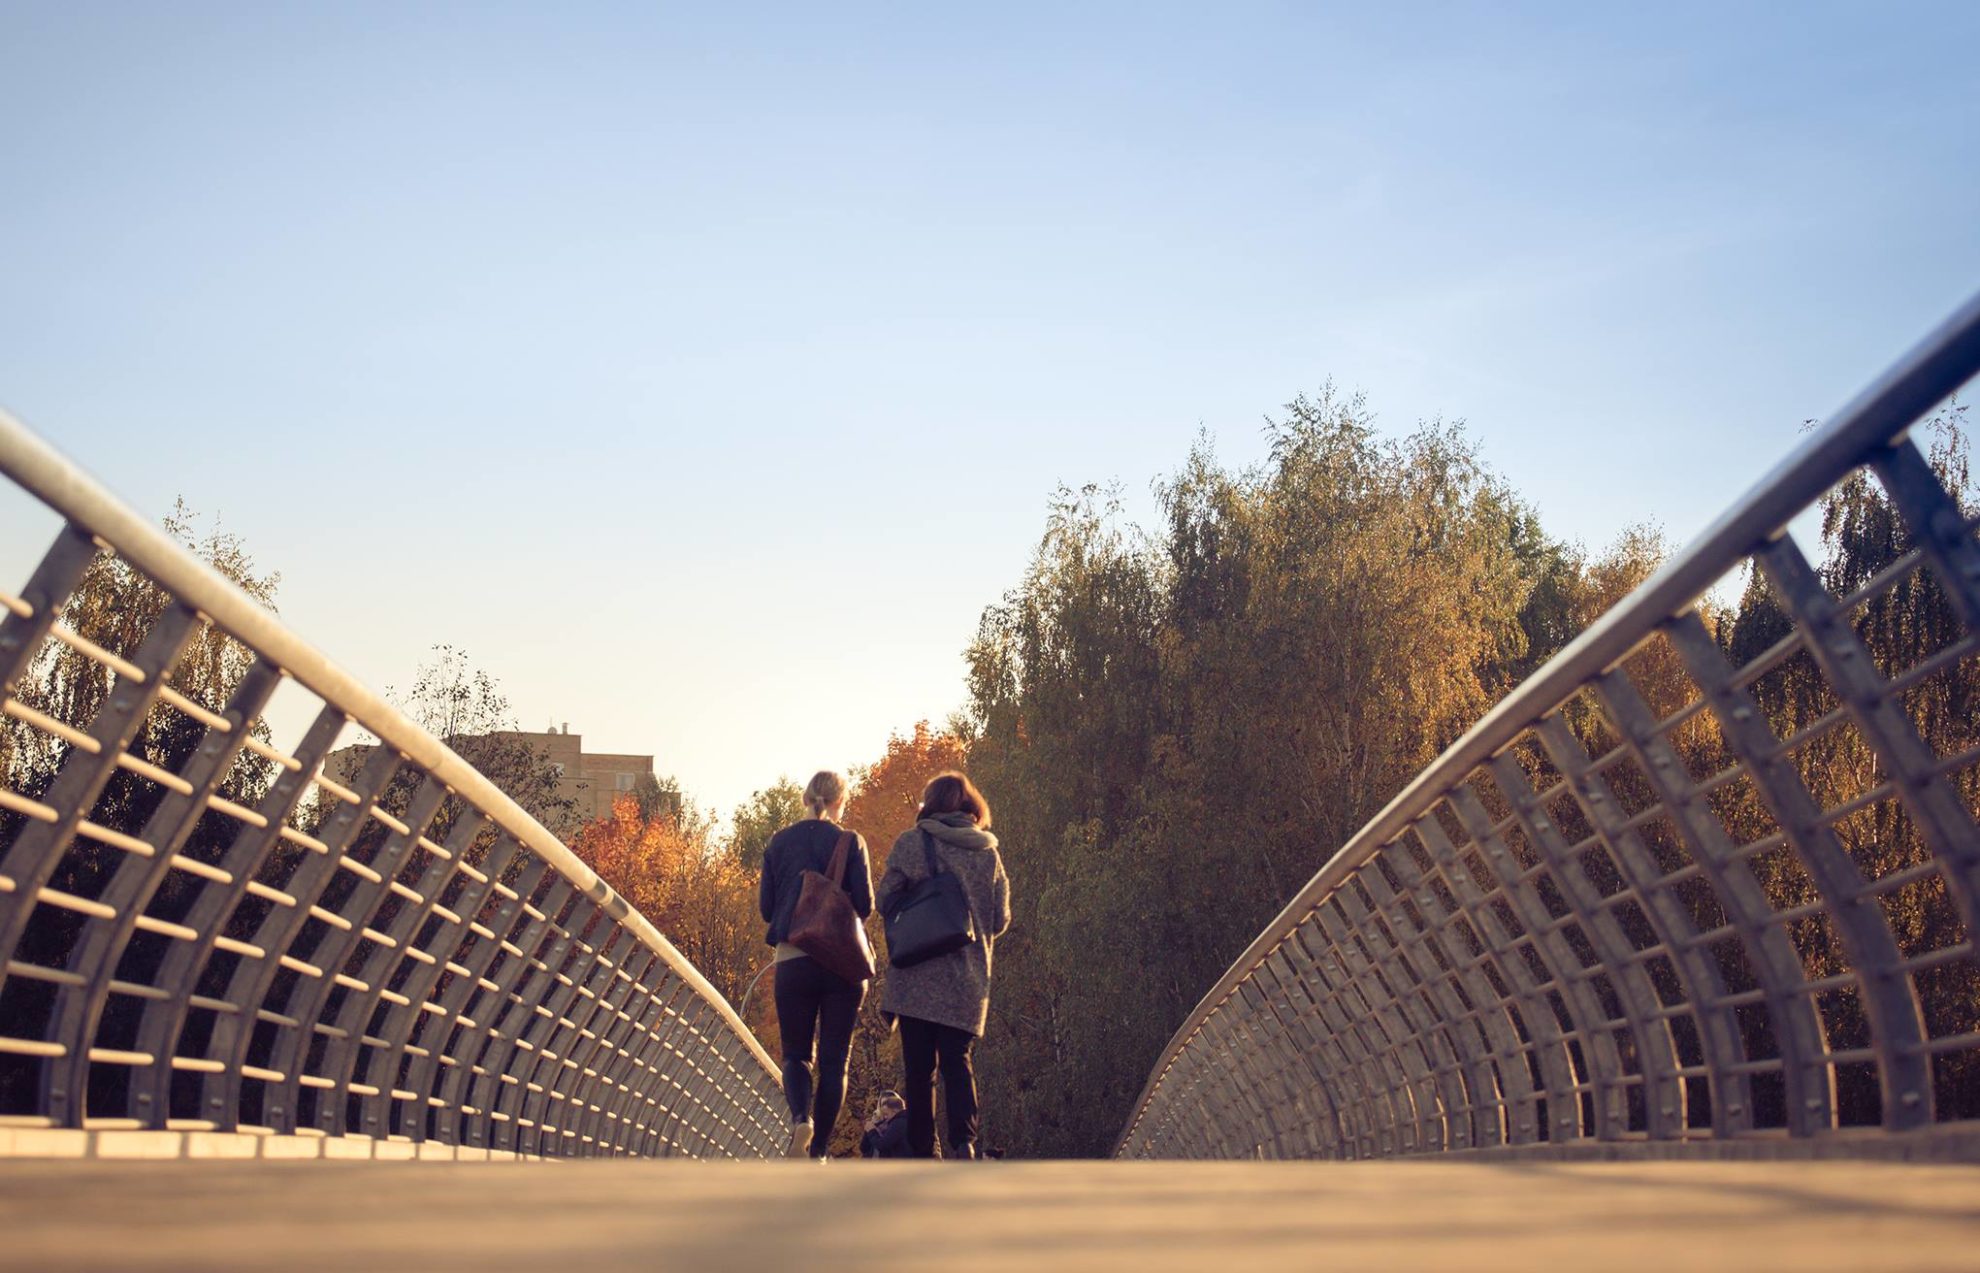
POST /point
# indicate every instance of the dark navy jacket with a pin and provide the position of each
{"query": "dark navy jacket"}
(807, 846)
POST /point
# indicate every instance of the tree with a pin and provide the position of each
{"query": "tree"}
(669, 865)
(658, 796)
(1178, 728)
(464, 707)
(114, 605)
(763, 815)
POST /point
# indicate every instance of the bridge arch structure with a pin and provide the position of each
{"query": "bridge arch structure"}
(1618, 917)
(230, 941)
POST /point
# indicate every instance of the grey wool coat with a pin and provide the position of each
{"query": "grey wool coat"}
(954, 989)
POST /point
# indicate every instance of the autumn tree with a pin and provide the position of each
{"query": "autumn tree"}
(1178, 727)
(672, 867)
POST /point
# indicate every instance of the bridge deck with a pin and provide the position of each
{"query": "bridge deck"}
(1142, 1216)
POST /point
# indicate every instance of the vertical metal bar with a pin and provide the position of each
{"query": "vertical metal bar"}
(609, 1121)
(353, 1055)
(486, 1092)
(666, 1085)
(1939, 812)
(1703, 985)
(1353, 1064)
(510, 934)
(233, 1035)
(1511, 1058)
(566, 1082)
(639, 1106)
(1482, 1119)
(78, 1008)
(162, 1025)
(1938, 523)
(1259, 1091)
(451, 940)
(1808, 1082)
(1591, 1023)
(1409, 1068)
(1536, 1014)
(611, 1053)
(61, 568)
(599, 1058)
(1330, 1133)
(311, 996)
(1897, 1029)
(1225, 1098)
(1656, 1052)
(1444, 1108)
(552, 1016)
(31, 860)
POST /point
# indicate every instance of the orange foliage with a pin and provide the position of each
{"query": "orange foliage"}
(887, 792)
(669, 867)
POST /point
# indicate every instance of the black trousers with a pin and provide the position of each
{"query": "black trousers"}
(815, 1006)
(923, 1044)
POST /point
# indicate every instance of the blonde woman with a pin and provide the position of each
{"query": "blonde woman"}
(815, 1006)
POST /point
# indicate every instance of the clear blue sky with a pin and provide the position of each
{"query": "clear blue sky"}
(705, 373)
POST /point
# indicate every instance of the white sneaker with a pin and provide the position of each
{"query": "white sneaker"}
(800, 1146)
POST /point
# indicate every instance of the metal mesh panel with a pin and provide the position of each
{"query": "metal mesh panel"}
(204, 931)
(1685, 884)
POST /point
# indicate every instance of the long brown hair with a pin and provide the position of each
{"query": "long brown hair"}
(953, 792)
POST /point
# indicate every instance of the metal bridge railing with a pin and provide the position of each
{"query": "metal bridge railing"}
(1630, 906)
(203, 932)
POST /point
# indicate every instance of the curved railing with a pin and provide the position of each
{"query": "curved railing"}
(205, 933)
(1681, 885)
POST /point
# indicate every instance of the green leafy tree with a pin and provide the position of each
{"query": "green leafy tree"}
(114, 605)
(763, 815)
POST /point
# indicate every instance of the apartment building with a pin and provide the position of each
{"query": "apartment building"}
(591, 781)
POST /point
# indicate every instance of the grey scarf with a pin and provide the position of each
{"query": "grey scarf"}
(957, 829)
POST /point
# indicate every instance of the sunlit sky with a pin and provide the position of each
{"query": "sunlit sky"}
(704, 371)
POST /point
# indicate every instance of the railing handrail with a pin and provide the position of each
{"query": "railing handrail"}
(65, 487)
(1932, 370)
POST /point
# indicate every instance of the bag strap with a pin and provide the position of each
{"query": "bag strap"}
(836, 872)
(928, 852)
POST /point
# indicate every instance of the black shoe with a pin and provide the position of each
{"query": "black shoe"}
(963, 1153)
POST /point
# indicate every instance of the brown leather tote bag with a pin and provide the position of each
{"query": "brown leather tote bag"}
(825, 925)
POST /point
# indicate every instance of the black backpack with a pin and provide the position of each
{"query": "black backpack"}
(932, 918)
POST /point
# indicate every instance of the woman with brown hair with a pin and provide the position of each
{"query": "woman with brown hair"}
(941, 1004)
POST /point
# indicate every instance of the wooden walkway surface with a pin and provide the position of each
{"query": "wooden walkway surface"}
(1023, 1216)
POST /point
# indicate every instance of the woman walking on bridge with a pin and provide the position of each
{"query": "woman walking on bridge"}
(942, 1003)
(814, 1003)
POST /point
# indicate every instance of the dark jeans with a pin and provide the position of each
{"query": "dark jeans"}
(812, 1002)
(923, 1043)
